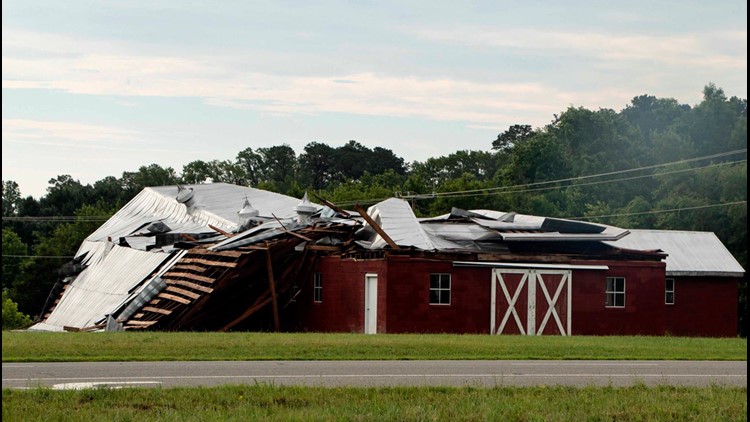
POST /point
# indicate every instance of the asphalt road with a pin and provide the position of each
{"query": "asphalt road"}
(375, 373)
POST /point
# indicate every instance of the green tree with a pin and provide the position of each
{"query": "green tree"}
(14, 252)
(511, 137)
(317, 165)
(151, 175)
(11, 198)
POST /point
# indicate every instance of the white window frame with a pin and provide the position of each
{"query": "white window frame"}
(614, 293)
(440, 288)
(667, 291)
(317, 287)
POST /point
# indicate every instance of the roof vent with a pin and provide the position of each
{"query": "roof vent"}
(247, 216)
(305, 210)
(185, 195)
(247, 210)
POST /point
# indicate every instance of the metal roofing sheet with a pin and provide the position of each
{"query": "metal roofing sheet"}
(100, 288)
(439, 226)
(398, 220)
(214, 203)
(610, 233)
(689, 252)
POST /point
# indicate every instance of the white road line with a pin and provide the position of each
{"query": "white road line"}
(581, 364)
(307, 376)
(110, 385)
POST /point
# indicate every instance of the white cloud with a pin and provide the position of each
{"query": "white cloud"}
(722, 50)
(65, 133)
(87, 67)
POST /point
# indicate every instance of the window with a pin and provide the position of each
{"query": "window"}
(615, 292)
(669, 292)
(318, 287)
(440, 289)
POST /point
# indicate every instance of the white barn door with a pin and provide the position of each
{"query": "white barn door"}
(530, 301)
(371, 304)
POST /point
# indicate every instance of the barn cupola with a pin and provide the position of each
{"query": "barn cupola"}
(185, 196)
(246, 216)
(305, 210)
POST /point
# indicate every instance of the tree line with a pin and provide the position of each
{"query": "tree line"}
(655, 164)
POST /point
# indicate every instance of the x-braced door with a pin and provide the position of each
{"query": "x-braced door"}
(531, 300)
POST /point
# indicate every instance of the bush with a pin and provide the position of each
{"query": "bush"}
(12, 318)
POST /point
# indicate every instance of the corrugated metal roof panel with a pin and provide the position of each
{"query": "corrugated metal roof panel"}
(398, 220)
(100, 288)
(689, 252)
(216, 204)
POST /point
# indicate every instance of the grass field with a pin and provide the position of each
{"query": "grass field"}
(267, 402)
(243, 403)
(152, 346)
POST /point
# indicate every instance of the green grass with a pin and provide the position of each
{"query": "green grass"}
(154, 346)
(263, 402)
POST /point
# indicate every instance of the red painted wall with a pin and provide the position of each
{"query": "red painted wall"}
(644, 311)
(706, 307)
(343, 296)
(703, 306)
(409, 309)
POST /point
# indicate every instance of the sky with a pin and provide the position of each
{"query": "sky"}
(96, 88)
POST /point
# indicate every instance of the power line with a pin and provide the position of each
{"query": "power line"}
(59, 218)
(661, 211)
(598, 182)
(570, 179)
(38, 256)
(519, 188)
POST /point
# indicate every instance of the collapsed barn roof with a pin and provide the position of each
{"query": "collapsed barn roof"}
(209, 256)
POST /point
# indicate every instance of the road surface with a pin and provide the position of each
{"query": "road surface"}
(375, 373)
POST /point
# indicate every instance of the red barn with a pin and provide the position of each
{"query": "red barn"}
(183, 258)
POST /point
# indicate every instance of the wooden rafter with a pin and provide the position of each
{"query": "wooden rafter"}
(376, 227)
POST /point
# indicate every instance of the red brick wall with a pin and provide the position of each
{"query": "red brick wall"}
(342, 305)
(703, 306)
(409, 308)
(706, 307)
(644, 311)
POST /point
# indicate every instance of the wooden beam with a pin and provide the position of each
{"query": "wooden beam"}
(208, 262)
(196, 268)
(206, 252)
(156, 310)
(142, 324)
(191, 276)
(183, 292)
(306, 239)
(272, 288)
(332, 206)
(190, 285)
(329, 248)
(376, 227)
(220, 231)
(252, 247)
(174, 298)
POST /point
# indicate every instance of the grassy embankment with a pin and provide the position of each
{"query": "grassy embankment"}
(401, 403)
(260, 402)
(153, 346)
